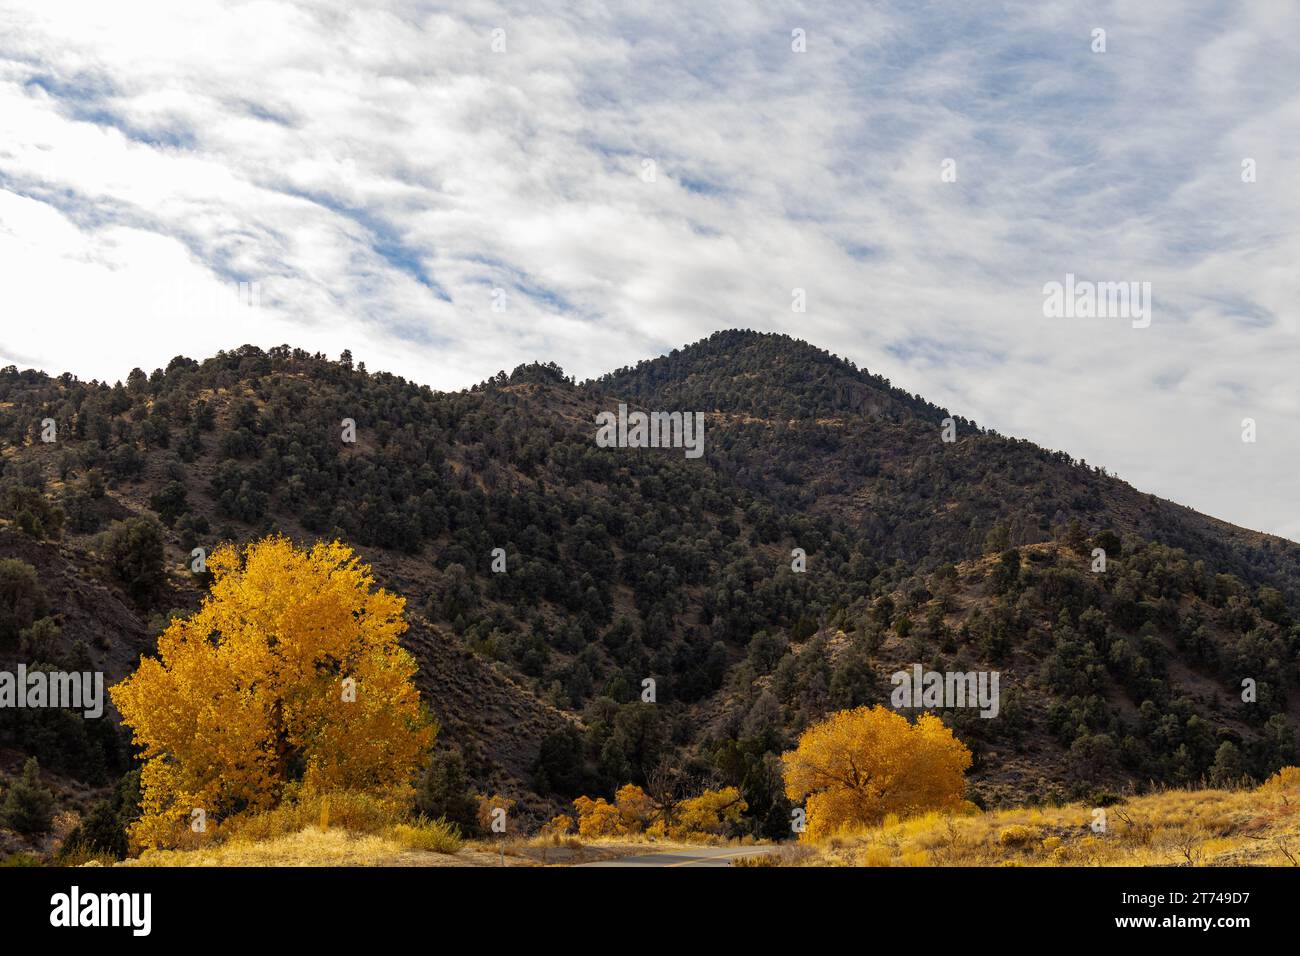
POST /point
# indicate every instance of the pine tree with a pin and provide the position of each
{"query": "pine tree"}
(444, 792)
(29, 805)
(1228, 768)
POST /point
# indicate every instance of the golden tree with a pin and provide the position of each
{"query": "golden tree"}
(290, 674)
(858, 765)
(635, 808)
(713, 812)
(634, 812)
(597, 818)
(558, 826)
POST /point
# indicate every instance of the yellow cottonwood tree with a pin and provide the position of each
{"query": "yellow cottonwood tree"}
(289, 674)
(597, 818)
(635, 812)
(713, 812)
(635, 808)
(858, 765)
(558, 826)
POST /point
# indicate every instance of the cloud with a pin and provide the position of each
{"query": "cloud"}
(387, 174)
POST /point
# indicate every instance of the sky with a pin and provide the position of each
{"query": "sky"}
(449, 190)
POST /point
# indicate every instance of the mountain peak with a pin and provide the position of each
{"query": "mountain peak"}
(766, 375)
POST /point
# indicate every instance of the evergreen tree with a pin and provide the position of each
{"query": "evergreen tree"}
(29, 805)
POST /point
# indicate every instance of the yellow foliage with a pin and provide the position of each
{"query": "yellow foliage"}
(858, 766)
(634, 813)
(291, 667)
(350, 810)
(711, 813)
(1018, 835)
(635, 808)
(596, 818)
(558, 826)
(1288, 778)
(1164, 828)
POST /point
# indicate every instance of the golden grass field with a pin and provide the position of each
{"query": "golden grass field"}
(338, 847)
(1249, 827)
(1244, 827)
(358, 829)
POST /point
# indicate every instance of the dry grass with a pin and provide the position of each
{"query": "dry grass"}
(338, 829)
(310, 847)
(1259, 827)
(432, 836)
(395, 847)
(409, 844)
(402, 845)
(355, 811)
(357, 829)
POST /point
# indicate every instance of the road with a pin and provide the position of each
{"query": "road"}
(694, 856)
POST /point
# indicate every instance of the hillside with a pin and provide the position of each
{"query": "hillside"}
(625, 565)
(818, 435)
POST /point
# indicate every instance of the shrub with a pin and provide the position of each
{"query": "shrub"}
(133, 551)
(40, 642)
(1288, 778)
(22, 599)
(433, 836)
(1017, 835)
(103, 831)
(444, 792)
(35, 516)
(558, 827)
(757, 860)
(1228, 769)
(29, 805)
(635, 808)
(877, 855)
(596, 818)
(170, 502)
(354, 810)
(712, 813)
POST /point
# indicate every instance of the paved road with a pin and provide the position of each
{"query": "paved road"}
(695, 856)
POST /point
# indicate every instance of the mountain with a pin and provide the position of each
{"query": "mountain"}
(825, 437)
(625, 564)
